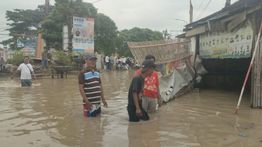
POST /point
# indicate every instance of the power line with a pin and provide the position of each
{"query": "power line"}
(95, 1)
(181, 20)
(201, 4)
(3, 30)
(199, 7)
(204, 9)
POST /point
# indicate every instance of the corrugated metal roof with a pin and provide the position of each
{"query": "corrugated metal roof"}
(227, 11)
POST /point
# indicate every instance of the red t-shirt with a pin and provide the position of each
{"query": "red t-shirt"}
(150, 84)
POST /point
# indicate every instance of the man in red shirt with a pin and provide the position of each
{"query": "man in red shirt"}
(151, 95)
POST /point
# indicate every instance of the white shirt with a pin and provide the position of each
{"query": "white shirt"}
(25, 70)
(107, 59)
(123, 60)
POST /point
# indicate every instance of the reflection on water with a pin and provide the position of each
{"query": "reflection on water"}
(49, 114)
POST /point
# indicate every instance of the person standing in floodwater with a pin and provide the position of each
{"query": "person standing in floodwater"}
(134, 108)
(2, 64)
(26, 72)
(90, 87)
(151, 95)
(107, 62)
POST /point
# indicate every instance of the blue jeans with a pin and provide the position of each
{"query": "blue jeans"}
(26, 82)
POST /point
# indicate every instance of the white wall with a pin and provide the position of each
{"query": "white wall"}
(192, 48)
(4, 53)
(193, 45)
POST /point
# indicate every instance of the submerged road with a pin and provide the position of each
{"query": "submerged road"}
(49, 114)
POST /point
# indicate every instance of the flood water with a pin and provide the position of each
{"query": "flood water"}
(49, 114)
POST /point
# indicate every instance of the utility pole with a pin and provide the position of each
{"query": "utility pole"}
(47, 4)
(70, 27)
(190, 12)
(46, 11)
(47, 47)
(228, 3)
(70, 35)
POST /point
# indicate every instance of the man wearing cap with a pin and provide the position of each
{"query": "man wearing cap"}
(134, 108)
(90, 87)
(151, 95)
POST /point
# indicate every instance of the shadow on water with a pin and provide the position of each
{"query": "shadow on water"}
(49, 114)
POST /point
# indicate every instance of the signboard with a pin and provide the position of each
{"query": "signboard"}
(65, 38)
(224, 45)
(83, 35)
(28, 45)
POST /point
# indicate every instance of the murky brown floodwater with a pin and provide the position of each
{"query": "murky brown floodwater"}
(49, 114)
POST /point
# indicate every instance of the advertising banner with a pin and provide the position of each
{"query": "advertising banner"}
(83, 35)
(65, 38)
(223, 45)
(28, 46)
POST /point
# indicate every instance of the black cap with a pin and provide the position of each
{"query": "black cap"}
(90, 57)
(148, 57)
(147, 64)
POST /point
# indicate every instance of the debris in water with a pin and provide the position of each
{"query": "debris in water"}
(242, 135)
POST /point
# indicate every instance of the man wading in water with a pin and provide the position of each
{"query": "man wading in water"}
(27, 72)
(90, 87)
(151, 95)
(134, 108)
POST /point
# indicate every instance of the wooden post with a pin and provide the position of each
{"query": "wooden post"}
(256, 97)
(249, 68)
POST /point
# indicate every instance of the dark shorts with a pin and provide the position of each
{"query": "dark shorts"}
(92, 113)
(131, 109)
(26, 82)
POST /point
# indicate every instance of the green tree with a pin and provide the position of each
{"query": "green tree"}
(166, 35)
(105, 34)
(61, 57)
(62, 14)
(135, 35)
(23, 24)
(17, 58)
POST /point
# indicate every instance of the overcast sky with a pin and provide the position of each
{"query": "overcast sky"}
(153, 14)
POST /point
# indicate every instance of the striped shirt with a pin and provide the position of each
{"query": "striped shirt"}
(92, 85)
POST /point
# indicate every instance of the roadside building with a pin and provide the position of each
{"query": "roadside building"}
(225, 41)
(4, 53)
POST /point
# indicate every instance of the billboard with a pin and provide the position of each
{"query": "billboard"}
(83, 35)
(28, 45)
(65, 38)
(224, 45)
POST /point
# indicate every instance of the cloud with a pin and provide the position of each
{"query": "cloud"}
(152, 14)
(155, 14)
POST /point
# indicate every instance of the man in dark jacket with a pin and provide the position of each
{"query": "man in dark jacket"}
(134, 108)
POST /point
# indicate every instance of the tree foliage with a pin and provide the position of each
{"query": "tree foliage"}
(17, 58)
(62, 14)
(135, 35)
(107, 39)
(105, 34)
(166, 35)
(23, 24)
(61, 57)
